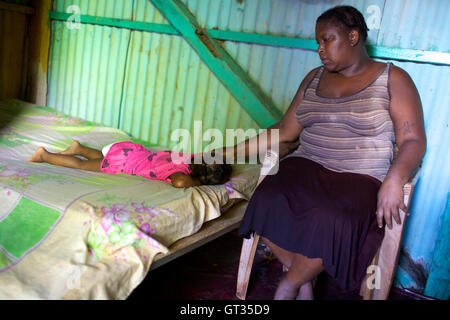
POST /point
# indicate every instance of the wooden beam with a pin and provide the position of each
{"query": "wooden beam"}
(211, 230)
(264, 39)
(409, 55)
(16, 8)
(257, 104)
(118, 23)
(414, 55)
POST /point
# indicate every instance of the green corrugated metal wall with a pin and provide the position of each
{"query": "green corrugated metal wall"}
(147, 84)
(154, 83)
(87, 69)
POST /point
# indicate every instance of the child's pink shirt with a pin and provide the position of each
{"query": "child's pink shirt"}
(132, 158)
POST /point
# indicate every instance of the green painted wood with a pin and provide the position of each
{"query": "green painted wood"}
(414, 55)
(118, 23)
(257, 104)
(409, 55)
(263, 39)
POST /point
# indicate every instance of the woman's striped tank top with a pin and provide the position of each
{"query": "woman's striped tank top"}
(354, 133)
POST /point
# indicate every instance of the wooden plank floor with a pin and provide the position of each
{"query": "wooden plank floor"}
(210, 273)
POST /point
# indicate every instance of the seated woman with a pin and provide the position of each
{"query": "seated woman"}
(324, 209)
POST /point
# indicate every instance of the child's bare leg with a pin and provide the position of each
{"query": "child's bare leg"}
(76, 148)
(64, 160)
(72, 149)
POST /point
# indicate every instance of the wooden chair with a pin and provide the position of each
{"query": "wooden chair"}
(377, 283)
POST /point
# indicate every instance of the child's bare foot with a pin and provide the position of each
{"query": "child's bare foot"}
(72, 149)
(38, 155)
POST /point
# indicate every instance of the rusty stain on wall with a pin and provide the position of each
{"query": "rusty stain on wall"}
(415, 269)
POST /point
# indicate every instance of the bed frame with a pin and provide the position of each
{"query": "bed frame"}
(210, 231)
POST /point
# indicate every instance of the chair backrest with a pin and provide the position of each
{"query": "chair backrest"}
(269, 165)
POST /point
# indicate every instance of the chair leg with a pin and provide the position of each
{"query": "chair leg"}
(388, 258)
(245, 265)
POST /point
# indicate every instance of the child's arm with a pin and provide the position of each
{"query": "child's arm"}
(181, 180)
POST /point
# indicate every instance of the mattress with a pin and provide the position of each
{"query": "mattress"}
(73, 234)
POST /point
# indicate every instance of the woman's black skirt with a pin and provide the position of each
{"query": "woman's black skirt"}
(308, 209)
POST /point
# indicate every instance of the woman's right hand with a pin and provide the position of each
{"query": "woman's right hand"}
(390, 201)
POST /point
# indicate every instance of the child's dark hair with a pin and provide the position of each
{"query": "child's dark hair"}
(348, 17)
(214, 174)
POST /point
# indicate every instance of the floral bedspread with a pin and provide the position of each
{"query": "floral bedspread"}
(71, 234)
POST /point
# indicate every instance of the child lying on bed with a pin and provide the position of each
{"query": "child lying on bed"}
(131, 158)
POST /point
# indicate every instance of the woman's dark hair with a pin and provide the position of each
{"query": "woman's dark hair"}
(213, 173)
(348, 17)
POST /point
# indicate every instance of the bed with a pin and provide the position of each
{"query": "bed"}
(71, 234)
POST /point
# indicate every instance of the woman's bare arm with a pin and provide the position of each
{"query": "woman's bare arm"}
(407, 116)
(288, 129)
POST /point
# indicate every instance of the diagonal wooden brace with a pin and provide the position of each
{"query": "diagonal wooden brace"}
(246, 91)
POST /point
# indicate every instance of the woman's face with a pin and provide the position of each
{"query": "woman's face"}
(334, 46)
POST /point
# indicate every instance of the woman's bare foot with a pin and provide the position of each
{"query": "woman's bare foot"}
(305, 292)
(285, 290)
(38, 155)
(73, 149)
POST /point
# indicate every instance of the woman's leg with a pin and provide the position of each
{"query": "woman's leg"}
(78, 149)
(306, 291)
(284, 256)
(64, 160)
(301, 271)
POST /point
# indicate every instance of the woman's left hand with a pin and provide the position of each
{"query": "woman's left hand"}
(390, 200)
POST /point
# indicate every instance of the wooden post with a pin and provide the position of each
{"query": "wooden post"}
(39, 46)
(13, 28)
(245, 265)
